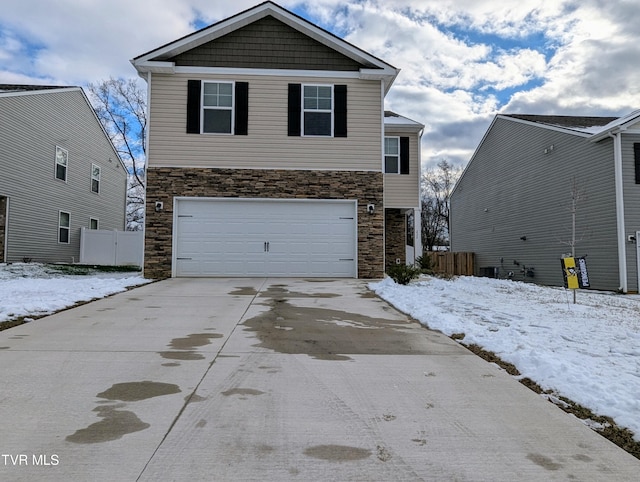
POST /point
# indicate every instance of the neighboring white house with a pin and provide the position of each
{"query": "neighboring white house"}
(59, 172)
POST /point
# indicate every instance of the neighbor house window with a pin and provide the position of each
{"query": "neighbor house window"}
(64, 225)
(93, 223)
(95, 178)
(217, 107)
(62, 160)
(392, 155)
(317, 110)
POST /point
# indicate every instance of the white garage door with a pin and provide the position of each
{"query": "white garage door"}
(239, 237)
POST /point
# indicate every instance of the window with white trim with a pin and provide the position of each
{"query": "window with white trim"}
(64, 227)
(217, 107)
(95, 178)
(392, 155)
(93, 223)
(62, 162)
(317, 110)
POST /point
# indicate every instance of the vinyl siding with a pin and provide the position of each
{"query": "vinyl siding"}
(267, 145)
(511, 188)
(402, 190)
(631, 207)
(30, 128)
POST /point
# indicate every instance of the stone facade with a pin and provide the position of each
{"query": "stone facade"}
(395, 239)
(163, 184)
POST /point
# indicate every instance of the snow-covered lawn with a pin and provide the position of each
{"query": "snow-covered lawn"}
(33, 289)
(588, 352)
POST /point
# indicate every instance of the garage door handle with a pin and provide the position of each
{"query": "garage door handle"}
(345, 259)
(185, 258)
(266, 246)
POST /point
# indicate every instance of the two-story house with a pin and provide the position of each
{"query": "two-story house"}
(532, 179)
(59, 173)
(267, 154)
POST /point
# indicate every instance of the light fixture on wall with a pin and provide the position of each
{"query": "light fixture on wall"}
(159, 206)
(371, 208)
(523, 238)
(549, 149)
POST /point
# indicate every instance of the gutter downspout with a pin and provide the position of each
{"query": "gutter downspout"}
(622, 248)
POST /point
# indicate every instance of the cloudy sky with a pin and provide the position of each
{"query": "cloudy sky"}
(462, 61)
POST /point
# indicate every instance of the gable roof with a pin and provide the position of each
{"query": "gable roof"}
(21, 88)
(160, 59)
(587, 126)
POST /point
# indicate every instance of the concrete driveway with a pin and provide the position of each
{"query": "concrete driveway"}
(272, 379)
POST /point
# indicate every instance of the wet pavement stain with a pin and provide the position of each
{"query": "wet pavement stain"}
(115, 424)
(135, 391)
(544, 462)
(242, 392)
(193, 341)
(181, 355)
(279, 291)
(327, 334)
(244, 291)
(201, 423)
(194, 398)
(4, 347)
(337, 453)
(175, 364)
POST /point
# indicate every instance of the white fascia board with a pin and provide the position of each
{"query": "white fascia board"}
(619, 125)
(565, 130)
(156, 67)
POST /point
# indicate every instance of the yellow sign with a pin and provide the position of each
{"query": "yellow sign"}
(570, 273)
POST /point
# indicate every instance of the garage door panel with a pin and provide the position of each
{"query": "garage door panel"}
(264, 238)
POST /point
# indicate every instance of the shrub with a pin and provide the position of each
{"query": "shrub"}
(402, 273)
(425, 264)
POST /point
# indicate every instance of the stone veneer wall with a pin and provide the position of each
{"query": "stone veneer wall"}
(395, 239)
(163, 184)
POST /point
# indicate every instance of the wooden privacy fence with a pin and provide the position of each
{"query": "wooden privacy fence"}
(452, 264)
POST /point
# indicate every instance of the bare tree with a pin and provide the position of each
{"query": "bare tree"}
(120, 105)
(436, 186)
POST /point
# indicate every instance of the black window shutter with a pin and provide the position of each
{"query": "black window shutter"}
(193, 106)
(340, 111)
(636, 155)
(295, 107)
(404, 155)
(241, 123)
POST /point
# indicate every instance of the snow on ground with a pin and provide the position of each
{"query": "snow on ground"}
(32, 289)
(588, 352)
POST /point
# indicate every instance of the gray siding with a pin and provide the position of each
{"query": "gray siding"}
(31, 126)
(631, 206)
(511, 188)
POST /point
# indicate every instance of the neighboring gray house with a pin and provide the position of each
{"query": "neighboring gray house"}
(267, 154)
(512, 205)
(59, 172)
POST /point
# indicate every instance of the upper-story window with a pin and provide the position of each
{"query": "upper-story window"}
(396, 155)
(392, 155)
(95, 178)
(317, 110)
(62, 161)
(93, 223)
(215, 107)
